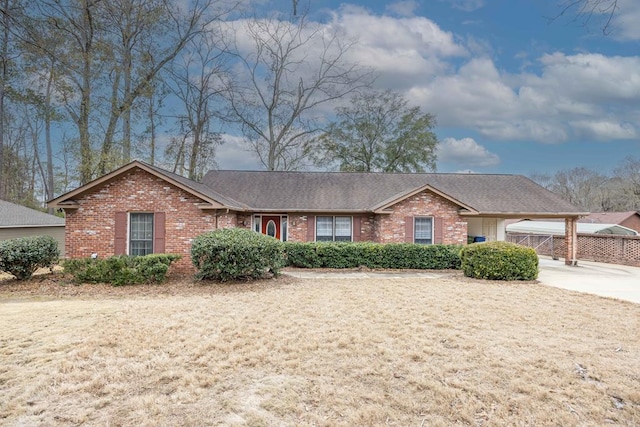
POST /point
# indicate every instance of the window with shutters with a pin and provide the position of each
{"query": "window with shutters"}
(334, 229)
(140, 233)
(423, 230)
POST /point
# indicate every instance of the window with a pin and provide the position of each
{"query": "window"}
(422, 230)
(271, 228)
(140, 233)
(333, 228)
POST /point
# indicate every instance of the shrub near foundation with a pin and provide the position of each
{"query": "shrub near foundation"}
(499, 261)
(122, 269)
(21, 257)
(236, 254)
(372, 255)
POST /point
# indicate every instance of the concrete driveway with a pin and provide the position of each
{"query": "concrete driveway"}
(607, 280)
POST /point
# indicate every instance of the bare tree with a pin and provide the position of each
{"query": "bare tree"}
(166, 42)
(288, 71)
(629, 172)
(196, 84)
(580, 186)
(110, 55)
(587, 11)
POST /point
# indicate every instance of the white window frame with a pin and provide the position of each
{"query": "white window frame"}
(415, 234)
(334, 236)
(130, 224)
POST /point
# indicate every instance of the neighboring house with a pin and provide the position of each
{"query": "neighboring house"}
(630, 219)
(140, 209)
(556, 228)
(19, 221)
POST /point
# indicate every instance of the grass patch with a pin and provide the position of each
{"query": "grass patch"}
(334, 352)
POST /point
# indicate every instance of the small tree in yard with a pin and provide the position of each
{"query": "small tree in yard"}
(236, 254)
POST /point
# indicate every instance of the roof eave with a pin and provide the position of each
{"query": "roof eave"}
(32, 225)
(524, 214)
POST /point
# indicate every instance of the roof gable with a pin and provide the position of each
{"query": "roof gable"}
(211, 199)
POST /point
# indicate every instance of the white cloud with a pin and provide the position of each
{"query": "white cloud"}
(568, 98)
(625, 22)
(403, 8)
(465, 152)
(604, 129)
(403, 50)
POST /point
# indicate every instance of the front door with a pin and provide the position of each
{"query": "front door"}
(271, 226)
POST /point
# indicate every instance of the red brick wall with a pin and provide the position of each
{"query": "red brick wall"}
(90, 228)
(632, 222)
(391, 228)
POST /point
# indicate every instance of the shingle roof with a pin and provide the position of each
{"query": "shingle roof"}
(198, 187)
(348, 191)
(12, 215)
(608, 217)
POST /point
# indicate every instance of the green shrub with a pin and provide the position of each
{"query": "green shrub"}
(122, 269)
(235, 253)
(23, 256)
(499, 261)
(372, 255)
(303, 255)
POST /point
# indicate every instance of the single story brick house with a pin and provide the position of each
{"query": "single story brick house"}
(140, 208)
(20, 221)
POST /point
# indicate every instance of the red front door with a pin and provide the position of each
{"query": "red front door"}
(271, 226)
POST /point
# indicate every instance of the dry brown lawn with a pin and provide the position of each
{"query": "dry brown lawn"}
(328, 352)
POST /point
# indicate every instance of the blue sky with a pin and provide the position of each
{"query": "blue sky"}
(512, 91)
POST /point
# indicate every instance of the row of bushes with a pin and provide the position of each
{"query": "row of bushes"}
(372, 255)
(233, 254)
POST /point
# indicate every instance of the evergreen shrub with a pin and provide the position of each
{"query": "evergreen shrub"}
(21, 257)
(121, 269)
(372, 255)
(236, 254)
(499, 261)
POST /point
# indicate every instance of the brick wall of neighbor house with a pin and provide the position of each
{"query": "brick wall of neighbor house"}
(90, 228)
(391, 228)
(633, 222)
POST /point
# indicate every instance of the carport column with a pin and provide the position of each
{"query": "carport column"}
(571, 240)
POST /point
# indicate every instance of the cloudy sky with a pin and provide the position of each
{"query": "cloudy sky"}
(513, 91)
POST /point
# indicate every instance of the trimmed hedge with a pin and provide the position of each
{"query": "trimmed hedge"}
(236, 254)
(122, 269)
(21, 257)
(372, 255)
(499, 261)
